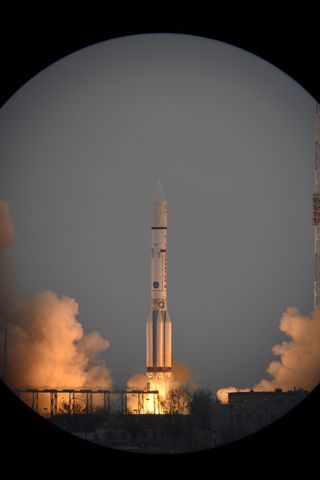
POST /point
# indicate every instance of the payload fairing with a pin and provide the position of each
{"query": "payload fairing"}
(158, 328)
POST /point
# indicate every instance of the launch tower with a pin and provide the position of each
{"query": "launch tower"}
(316, 212)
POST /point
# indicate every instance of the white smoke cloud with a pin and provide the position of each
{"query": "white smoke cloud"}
(299, 363)
(47, 345)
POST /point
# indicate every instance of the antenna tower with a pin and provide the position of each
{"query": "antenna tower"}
(316, 212)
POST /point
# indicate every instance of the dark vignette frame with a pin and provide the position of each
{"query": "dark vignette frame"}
(25, 51)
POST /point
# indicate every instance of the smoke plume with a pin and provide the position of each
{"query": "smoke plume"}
(299, 363)
(47, 345)
(222, 393)
(181, 377)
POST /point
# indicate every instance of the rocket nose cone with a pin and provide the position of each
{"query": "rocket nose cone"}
(158, 193)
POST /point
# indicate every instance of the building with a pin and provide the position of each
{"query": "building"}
(248, 412)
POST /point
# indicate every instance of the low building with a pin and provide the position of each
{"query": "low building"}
(248, 412)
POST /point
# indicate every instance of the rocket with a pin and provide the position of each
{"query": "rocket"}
(158, 327)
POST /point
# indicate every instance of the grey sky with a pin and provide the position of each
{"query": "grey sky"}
(231, 138)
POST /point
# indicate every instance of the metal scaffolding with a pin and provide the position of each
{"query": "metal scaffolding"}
(53, 403)
(89, 394)
(35, 401)
(316, 212)
(106, 402)
(72, 402)
(140, 403)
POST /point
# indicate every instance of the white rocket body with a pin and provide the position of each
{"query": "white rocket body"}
(158, 327)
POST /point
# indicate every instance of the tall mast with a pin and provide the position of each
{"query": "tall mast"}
(316, 212)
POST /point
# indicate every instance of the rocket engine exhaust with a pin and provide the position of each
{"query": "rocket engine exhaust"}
(158, 327)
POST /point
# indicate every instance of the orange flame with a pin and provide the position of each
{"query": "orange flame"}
(157, 403)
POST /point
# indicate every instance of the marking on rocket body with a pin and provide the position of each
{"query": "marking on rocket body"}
(164, 268)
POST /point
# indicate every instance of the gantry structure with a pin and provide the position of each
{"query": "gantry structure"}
(316, 212)
(88, 394)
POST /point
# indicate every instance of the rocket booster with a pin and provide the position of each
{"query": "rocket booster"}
(158, 327)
